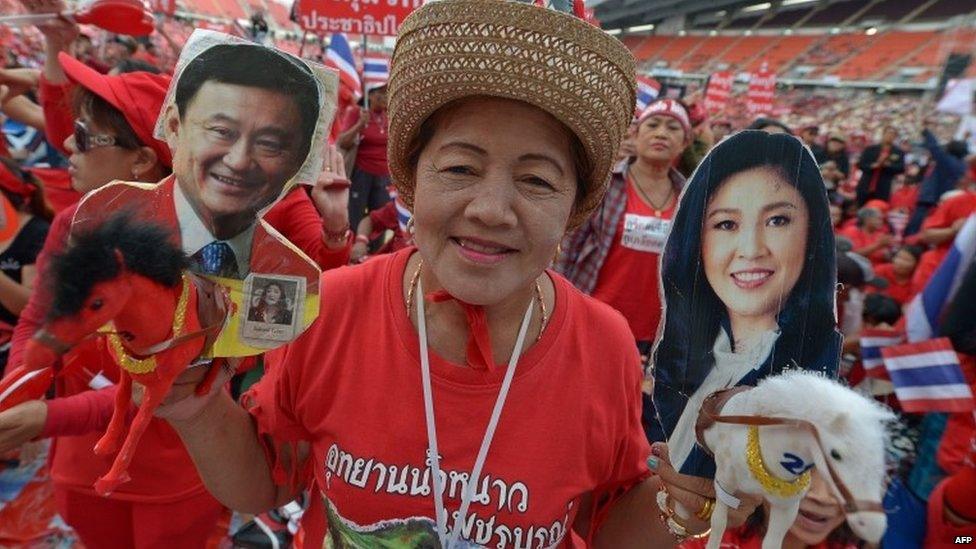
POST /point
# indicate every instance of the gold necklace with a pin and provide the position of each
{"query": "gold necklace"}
(538, 292)
(771, 484)
(657, 209)
(144, 365)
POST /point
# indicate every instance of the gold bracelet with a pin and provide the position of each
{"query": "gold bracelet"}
(670, 518)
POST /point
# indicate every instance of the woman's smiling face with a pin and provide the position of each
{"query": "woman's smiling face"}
(753, 243)
(496, 185)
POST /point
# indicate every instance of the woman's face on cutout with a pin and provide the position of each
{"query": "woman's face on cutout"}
(272, 294)
(819, 515)
(753, 242)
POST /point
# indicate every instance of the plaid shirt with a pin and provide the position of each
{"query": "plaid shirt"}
(585, 250)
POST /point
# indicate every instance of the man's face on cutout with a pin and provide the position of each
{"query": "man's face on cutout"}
(234, 149)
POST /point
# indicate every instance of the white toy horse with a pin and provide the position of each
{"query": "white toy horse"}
(766, 439)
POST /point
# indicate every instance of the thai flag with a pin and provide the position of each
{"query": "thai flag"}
(339, 56)
(927, 377)
(873, 340)
(922, 314)
(376, 69)
(647, 90)
(403, 215)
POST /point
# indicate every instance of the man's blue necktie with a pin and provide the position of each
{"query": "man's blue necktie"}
(216, 258)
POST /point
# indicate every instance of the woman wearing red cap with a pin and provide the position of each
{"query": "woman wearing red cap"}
(166, 503)
(614, 256)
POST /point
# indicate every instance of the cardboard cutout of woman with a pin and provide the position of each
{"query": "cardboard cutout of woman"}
(245, 123)
(748, 276)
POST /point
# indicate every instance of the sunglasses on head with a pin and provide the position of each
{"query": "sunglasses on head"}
(86, 141)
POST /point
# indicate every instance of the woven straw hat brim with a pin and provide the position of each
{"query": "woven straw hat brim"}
(452, 49)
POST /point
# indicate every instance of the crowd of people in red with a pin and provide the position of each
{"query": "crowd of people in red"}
(896, 206)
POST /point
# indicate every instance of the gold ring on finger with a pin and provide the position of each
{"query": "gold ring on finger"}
(705, 513)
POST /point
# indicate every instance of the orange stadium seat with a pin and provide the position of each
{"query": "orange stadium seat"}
(676, 49)
(708, 49)
(650, 46)
(783, 52)
(231, 9)
(882, 54)
(745, 49)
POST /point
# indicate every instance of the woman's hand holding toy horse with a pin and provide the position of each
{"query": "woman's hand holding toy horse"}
(695, 494)
(183, 403)
(21, 424)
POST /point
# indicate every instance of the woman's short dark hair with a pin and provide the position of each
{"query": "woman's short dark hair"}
(879, 308)
(915, 251)
(694, 313)
(281, 289)
(110, 118)
(135, 65)
(106, 116)
(763, 122)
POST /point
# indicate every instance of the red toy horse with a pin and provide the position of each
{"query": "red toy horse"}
(129, 275)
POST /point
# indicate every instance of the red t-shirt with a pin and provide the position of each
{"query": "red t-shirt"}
(904, 198)
(386, 219)
(950, 211)
(357, 396)
(371, 155)
(944, 215)
(861, 239)
(628, 279)
(902, 292)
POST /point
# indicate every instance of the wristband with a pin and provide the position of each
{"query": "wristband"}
(361, 238)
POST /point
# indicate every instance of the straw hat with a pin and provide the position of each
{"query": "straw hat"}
(452, 49)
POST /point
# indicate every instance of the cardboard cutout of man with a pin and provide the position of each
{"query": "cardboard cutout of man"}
(748, 277)
(244, 123)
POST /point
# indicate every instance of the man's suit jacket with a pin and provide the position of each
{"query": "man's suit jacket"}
(271, 253)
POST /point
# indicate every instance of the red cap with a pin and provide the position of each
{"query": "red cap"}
(877, 204)
(139, 96)
(668, 107)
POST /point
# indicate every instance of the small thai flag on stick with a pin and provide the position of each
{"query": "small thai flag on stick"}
(376, 69)
(873, 340)
(927, 377)
(647, 91)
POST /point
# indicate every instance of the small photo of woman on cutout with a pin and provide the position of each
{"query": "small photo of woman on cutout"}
(748, 276)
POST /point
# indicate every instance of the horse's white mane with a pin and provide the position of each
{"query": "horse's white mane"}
(813, 397)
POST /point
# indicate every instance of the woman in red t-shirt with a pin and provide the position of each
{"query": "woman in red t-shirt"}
(869, 236)
(166, 499)
(397, 405)
(899, 274)
(615, 256)
(365, 130)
